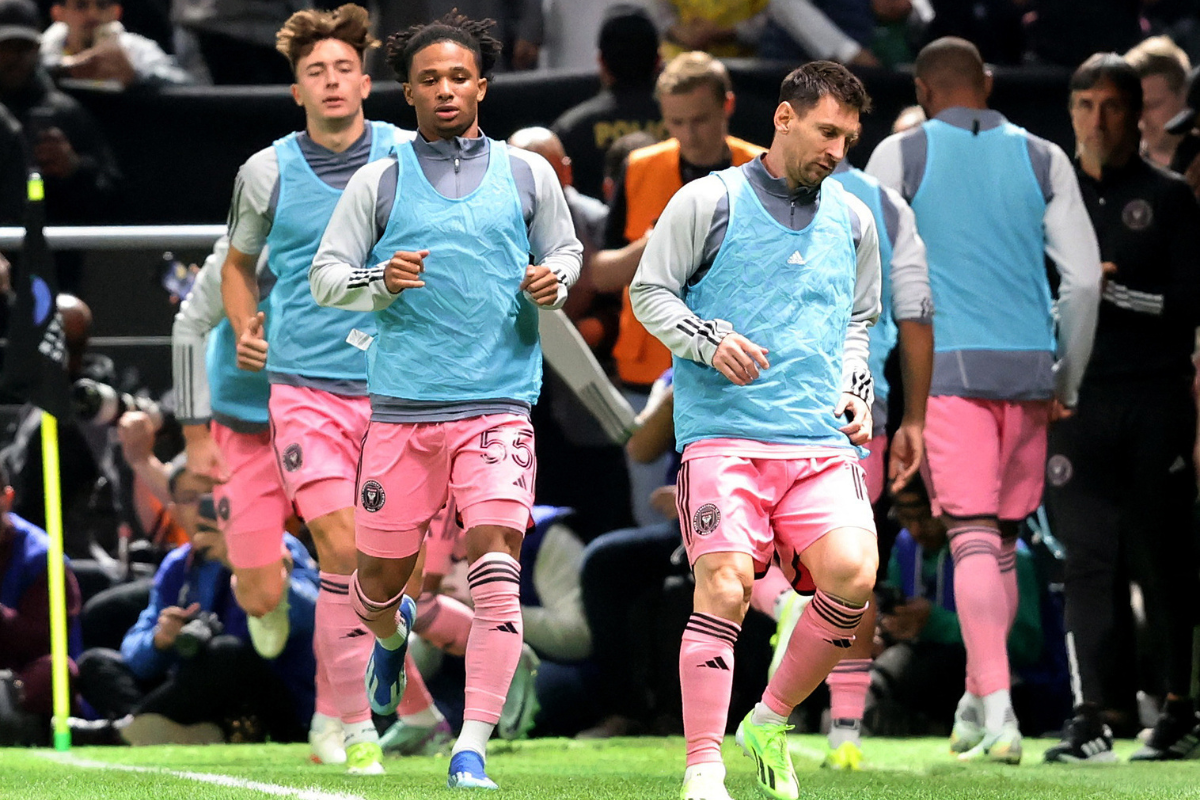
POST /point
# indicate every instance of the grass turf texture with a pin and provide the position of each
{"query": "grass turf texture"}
(556, 769)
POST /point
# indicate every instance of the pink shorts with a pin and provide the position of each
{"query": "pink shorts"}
(252, 507)
(769, 506)
(875, 467)
(409, 470)
(987, 458)
(444, 541)
(317, 437)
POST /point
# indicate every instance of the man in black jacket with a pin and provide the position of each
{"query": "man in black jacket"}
(1120, 482)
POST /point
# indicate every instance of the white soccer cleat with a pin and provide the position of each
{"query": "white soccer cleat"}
(269, 633)
(326, 740)
(968, 724)
(704, 787)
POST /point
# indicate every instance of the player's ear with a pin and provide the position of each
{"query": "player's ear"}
(483, 85)
(296, 94)
(408, 95)
(784, 114)
(366, 86)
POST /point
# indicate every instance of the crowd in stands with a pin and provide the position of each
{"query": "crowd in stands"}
(157, 637)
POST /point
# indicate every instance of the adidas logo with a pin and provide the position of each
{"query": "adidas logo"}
(507, 627)
(521, 482)
(1095, 747)
(1178, 465)
(716, 663)
(354, 634)
(842, 643)
(796, 259)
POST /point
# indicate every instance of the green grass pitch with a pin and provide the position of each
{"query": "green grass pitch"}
(555, 769)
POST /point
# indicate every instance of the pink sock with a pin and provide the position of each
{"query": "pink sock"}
(494, 646)
(767, 589)
(344, 645)
(416, 696)
(848, 685)
(325, 704)
(1008, 574)
(982, 606)
(443, 622)
(706, 677)
(822, 636)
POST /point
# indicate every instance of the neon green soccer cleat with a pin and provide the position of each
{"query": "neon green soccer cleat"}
(767, 745)
(364, 758)
(846, 756)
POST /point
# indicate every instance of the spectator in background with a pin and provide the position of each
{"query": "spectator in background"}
(1163, 68)
(729, 29)
(65, 142)
(696, 97)
(837, 30)
(1121, 481)
(628, 64)
(25, 609)
(187, 672)
(88, 42)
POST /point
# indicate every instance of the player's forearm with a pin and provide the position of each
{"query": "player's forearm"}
(669, 320)
(613, 270)
(239, 292)
(856, 375)
(336, 284)
(190, 377)
(916, 367)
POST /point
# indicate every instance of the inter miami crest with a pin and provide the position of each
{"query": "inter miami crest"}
(293, 458)
(706, 519)
(373, 496)
(223, 509)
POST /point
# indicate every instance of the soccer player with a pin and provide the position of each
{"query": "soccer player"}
(318, 405)
(437, 241)
(762, 280)
(223, 411)
(992, 201)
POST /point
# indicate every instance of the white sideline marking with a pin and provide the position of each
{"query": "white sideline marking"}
(207, 777)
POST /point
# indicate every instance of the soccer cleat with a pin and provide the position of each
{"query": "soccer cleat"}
(1086, 739)
(704, 787)
(1003, 747)
(968, 724)
(364, 758)
(385, 678)
(326, 740)
(846, 756)
(403, 739)
(269, 633)
(793, 607)
(1175, 736)
(521, 704)
(466, 772)
(767, 745)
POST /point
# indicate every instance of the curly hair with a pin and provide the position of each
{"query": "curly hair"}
(472, 34)
(803, 88)
(300, 34)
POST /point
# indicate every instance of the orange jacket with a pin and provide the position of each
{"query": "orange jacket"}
(651, 179)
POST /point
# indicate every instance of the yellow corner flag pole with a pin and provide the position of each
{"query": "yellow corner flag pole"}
(57, 579)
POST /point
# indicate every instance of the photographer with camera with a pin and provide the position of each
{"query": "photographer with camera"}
(917, 676)
(186, 672)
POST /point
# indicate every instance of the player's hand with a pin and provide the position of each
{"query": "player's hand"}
(541, 284)
(135, 431)
(907, 451)
(1059, 411)
(170, 621)
(907, 621)
(404, 270)
(739, 359)
(1107, 270)
(107, 61)
(204, 458)
(252, 344)
(859, 413)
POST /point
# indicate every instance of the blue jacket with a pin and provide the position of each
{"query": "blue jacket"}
(26, 566)
(183, 579)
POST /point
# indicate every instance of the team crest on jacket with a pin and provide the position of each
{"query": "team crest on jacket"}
(293, 458)
(223, 509)
(706, 519)
(1137, 215)
(373, 496)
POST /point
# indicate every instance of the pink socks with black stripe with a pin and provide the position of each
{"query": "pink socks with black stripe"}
(706, 677)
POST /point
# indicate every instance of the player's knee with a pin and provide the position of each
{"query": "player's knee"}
(850, 573)
(724, 590)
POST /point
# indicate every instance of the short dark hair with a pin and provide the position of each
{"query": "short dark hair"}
(619, 150)
(472, 34)
(804, 87)
(628, 43)
(1110, 68)
(348, 23)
